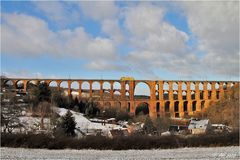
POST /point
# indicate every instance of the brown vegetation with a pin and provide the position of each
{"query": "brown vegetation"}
(225, 111)
(117, 143)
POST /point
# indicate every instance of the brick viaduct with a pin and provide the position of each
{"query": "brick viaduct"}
(171, 98)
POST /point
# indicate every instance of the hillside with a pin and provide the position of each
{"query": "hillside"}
(225, 111)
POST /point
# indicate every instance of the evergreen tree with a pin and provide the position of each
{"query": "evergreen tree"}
(75, 101)
(68, 124)
(81, 107)
(42, 93)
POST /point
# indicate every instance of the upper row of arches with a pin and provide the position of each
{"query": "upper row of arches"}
(85, 85)
(193, 86)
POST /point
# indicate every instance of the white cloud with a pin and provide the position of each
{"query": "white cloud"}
(157, 44)
(61, 13)
(143, 19)
(104, 65)
(27, 74)
(151, 32)
(27, 35)
(216, 26)
(22, 74)
(100, 10)
(111, 27)
(22, 34)
(107, 13)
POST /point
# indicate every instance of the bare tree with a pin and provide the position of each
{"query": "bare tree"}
(10, 113)
(44, 109)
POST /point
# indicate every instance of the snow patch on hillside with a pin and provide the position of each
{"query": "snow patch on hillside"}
(85, 125)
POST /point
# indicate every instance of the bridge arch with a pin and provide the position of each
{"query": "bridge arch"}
(106, 90)
(225, 86)
(106, 85)
(64, 86)
(167, 106)
(165, 86)
(85, 89)
(142, 90)
(53, 84)
(142, 108)
(117, 85)
(209, 86)
(43, 81)
(74, 88)
(117, 105)
(116, 94)
(200, 86)
(202, 105)
(96, 88)
(176, 106)
(127, 86)
(157, 95)
(217, 85)
(192, 86)
(176, 109)
(54, 87)
(184, 86)
(175, 86)
(127, 95)
(8, 84)
(185, 106)
(20, 84)
(175, 95)
(96, 85)
(158, 107)
(184, 95)
(157, 86)
(194, 106)
(166, 95)
(85, 85)
(193, 95)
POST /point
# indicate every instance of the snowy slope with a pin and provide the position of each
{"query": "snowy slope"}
(33, 123)
(84, 124)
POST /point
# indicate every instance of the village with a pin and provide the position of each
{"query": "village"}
(110, 127)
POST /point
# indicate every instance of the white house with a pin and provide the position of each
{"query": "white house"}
(198, 126)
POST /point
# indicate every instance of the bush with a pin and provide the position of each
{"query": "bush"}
(122, 116)
(110, 113)
(148, 127)
(117, 143)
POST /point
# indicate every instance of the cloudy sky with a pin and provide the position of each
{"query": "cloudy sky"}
(146, 40)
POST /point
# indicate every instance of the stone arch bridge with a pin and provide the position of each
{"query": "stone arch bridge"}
(167, 97)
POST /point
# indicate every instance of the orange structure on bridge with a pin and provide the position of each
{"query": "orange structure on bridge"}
(171, 98)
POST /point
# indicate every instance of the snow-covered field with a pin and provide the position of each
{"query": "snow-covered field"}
(182, 153)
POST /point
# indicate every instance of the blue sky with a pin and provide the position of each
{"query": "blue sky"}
(146, 40)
